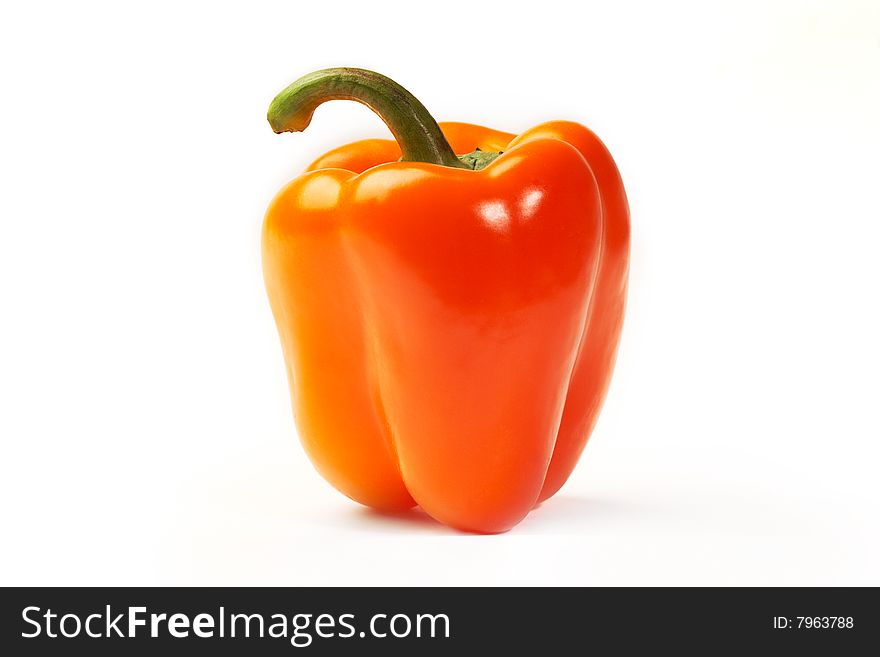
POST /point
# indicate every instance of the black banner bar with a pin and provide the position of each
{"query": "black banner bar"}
(435, 621)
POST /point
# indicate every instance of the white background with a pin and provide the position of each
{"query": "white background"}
(147, 436)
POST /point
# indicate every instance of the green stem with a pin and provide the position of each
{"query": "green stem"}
(415, 130)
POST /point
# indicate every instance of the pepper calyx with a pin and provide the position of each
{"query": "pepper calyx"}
(479, 159)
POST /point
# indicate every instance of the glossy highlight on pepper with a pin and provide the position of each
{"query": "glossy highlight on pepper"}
(449, 303)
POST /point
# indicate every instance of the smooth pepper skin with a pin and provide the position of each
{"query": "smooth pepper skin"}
(449, 334)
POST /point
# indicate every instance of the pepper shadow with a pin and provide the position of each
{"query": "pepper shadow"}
(408, 521)
(562, 514)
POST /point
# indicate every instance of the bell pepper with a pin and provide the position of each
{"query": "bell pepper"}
(449, 303)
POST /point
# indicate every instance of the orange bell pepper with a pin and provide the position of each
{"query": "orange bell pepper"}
(449, 323)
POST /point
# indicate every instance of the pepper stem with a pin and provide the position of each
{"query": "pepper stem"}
(415, 130)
